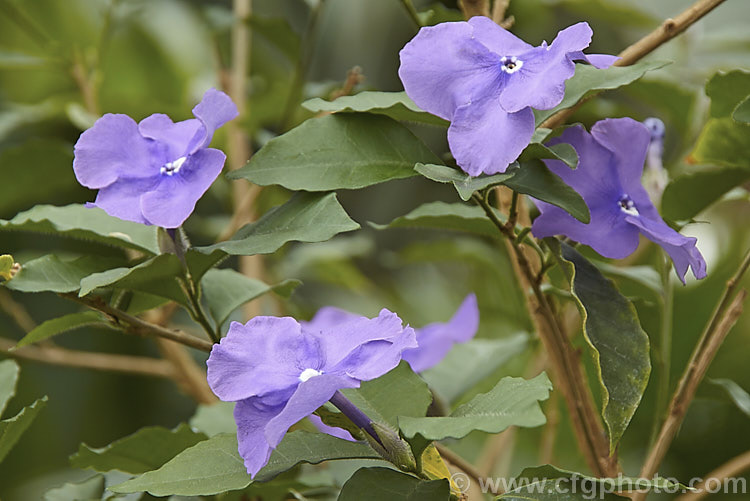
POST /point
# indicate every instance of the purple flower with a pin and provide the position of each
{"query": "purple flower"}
(485, 81)
(279, 371)
(608, 177)
(153, 172)
(434, 340)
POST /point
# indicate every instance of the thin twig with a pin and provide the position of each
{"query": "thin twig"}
(464, 466)
(54, 355)
(669, 29)
(565, 363)
(135, 325)
(16, 311)
(498, 14)
(728, 470)
(472, 8)
(702, 357)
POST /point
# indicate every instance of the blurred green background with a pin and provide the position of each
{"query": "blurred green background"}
(64, 62)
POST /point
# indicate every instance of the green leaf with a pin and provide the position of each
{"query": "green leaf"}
(49, 273)
(465, 184)
(398, 393)
(11, 429)
(396, 105)
(723, 142)
(727, 90)
(446, 216)
(536, 180)
(561, 151)
(348, 150)
(9, 372)
(59, 325)
(145, 450)
(226, 290)
(589, 79)
(687, 196)
(742, 112)
(306, 217)
(438, 13)
(157, 275)
(215, 466)
(548, 483)
(740, 397)
(215, 418)
(618, 344)
(450, 379)
(76, 221)
(385, 484)
(87, 490)
(512, 402)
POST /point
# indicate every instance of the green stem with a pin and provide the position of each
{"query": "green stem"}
(664, 348)
(197, 311)
(413, 14)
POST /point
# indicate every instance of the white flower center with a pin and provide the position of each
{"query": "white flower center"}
(628, 206)
(171, 168)
(309, 373)
(510, 64)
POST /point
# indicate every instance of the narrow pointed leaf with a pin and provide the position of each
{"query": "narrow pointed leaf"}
(337, 151)
(215, 466)
(512, 402)
(11, 429)
(385, 484)
(396, 105)
(50, 273)
(306, 217)
(76, 221)
(446, 216)
(9, 372)
(145, 450)
(56, 326)
(619, 345)
(465, 184)
(740, 397)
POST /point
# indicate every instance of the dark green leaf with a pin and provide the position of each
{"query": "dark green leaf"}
(306, 217)
(727, 90)
(740, 397)
(348, 150)
(742, 112)
(11, 429)
(450, 379)
(536, 180)
(512, 402)
(145, 450)
(215, 418)
(446, 216)
(215, 466)
(398, 393)
(59, 325)
(465, 184)
(723, 142)
(9, 371)
(384, 484)
(561, 151)
(396, 105)
(619, 345)
(589, 79)
(76, 221)
(87, 490)
(688, 195)
(49, 273)
(226, 290)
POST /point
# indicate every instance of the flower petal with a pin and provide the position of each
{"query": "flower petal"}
(111, 149)
(174, 138)
(121, 199)
(485, 139)
(443, 68)
(328, 317)
(365, 348)
(435, 340)
(306, 399)
(500, 41)
(175, 197)
(214, 110)
(252, 416)
(540, 82)
(680, 248)
(628, 141)
(334, 431)
(599, 61)
(261, 357)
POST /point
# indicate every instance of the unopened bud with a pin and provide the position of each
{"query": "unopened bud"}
(393, 448)
(655, 177)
